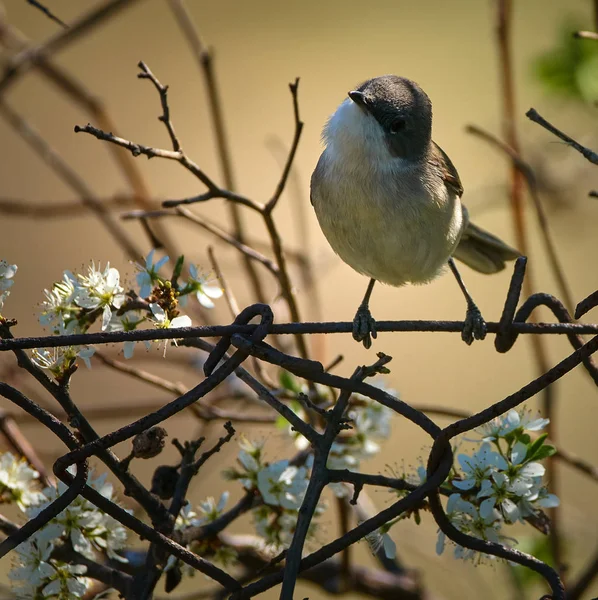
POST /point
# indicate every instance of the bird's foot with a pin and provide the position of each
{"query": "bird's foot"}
(364, 327)
(475, 326)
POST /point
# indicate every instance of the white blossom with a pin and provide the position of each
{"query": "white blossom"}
(31, 567)
(7, 272)
(58, 360)
(379, 539)
(161, 321)
(281, 484)
(198, 284)
(126, 322)
(59, 309)
(478, 467)
(505, 424)
(211, 509)
(497, 493)
(100, 289)
(148, 274)
(88, 529)
(250, 460)
(18, 482)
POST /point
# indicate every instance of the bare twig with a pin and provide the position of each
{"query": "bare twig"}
(47, 12)
(70, 177)
(163, 92)
(231, 301)
(533, 115)
(22, 446)
(77, 92)
(530, 179)
(205, 60)
(271, 204)
(213, 229)
(504, 18)
(31, 57)
(47, 209)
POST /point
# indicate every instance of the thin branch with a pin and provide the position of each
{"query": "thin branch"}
(200, 410)
(208, 226)
(229, 239)
(22, 446)
(231, 301)
(271, 204)
(533, 115)
(47, 12)
(163, 92)
(31, 57)
(528, 173)
(504, 23)
(48, 209)
(205, 60)
(76, 91)
(70, 177)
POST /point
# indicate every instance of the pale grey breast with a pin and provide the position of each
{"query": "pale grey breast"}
(394, 225)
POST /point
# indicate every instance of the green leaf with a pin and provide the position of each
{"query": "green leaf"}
(544, 452)
(288, 381)
(176, 273)
(525, 438)
(281, 422)
(570, 67)
(538, 547)
(533, 449)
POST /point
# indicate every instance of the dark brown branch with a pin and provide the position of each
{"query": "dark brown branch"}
(23, 447)
(533, 115)
(509, 115)
(31, 57)
(530, 178)
(48, 13)
(163, 92)
(231, 301)
(70, 177)
(271, 204)
(77, 93)
(205, 60)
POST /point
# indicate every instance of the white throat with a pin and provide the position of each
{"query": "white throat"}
(353, 135)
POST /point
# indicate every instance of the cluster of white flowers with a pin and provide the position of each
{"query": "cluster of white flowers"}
(18, 482)
(76, 302)
(89, 531)
(37, 575)
(370, 423)
(282, 488)
(7, 272)
(501, 482)
(210, 510)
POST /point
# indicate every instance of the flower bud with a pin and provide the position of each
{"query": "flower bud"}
(149, 443)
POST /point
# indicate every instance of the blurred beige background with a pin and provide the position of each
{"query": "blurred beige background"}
(447, 47)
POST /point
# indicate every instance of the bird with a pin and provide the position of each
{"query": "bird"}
(388, 199)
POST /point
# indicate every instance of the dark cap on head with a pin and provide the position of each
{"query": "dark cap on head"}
(402, 109)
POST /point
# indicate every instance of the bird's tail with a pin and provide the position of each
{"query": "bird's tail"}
(483, 251)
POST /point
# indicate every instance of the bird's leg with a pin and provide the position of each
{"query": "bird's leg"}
(475, 326)
(364, 325)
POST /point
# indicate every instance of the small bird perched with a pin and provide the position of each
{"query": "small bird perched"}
(388, 198)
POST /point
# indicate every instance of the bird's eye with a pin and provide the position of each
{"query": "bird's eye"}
(397, 125)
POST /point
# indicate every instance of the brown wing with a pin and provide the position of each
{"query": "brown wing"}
(446, 168)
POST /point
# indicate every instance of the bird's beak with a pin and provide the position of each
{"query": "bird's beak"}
(359, 98)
